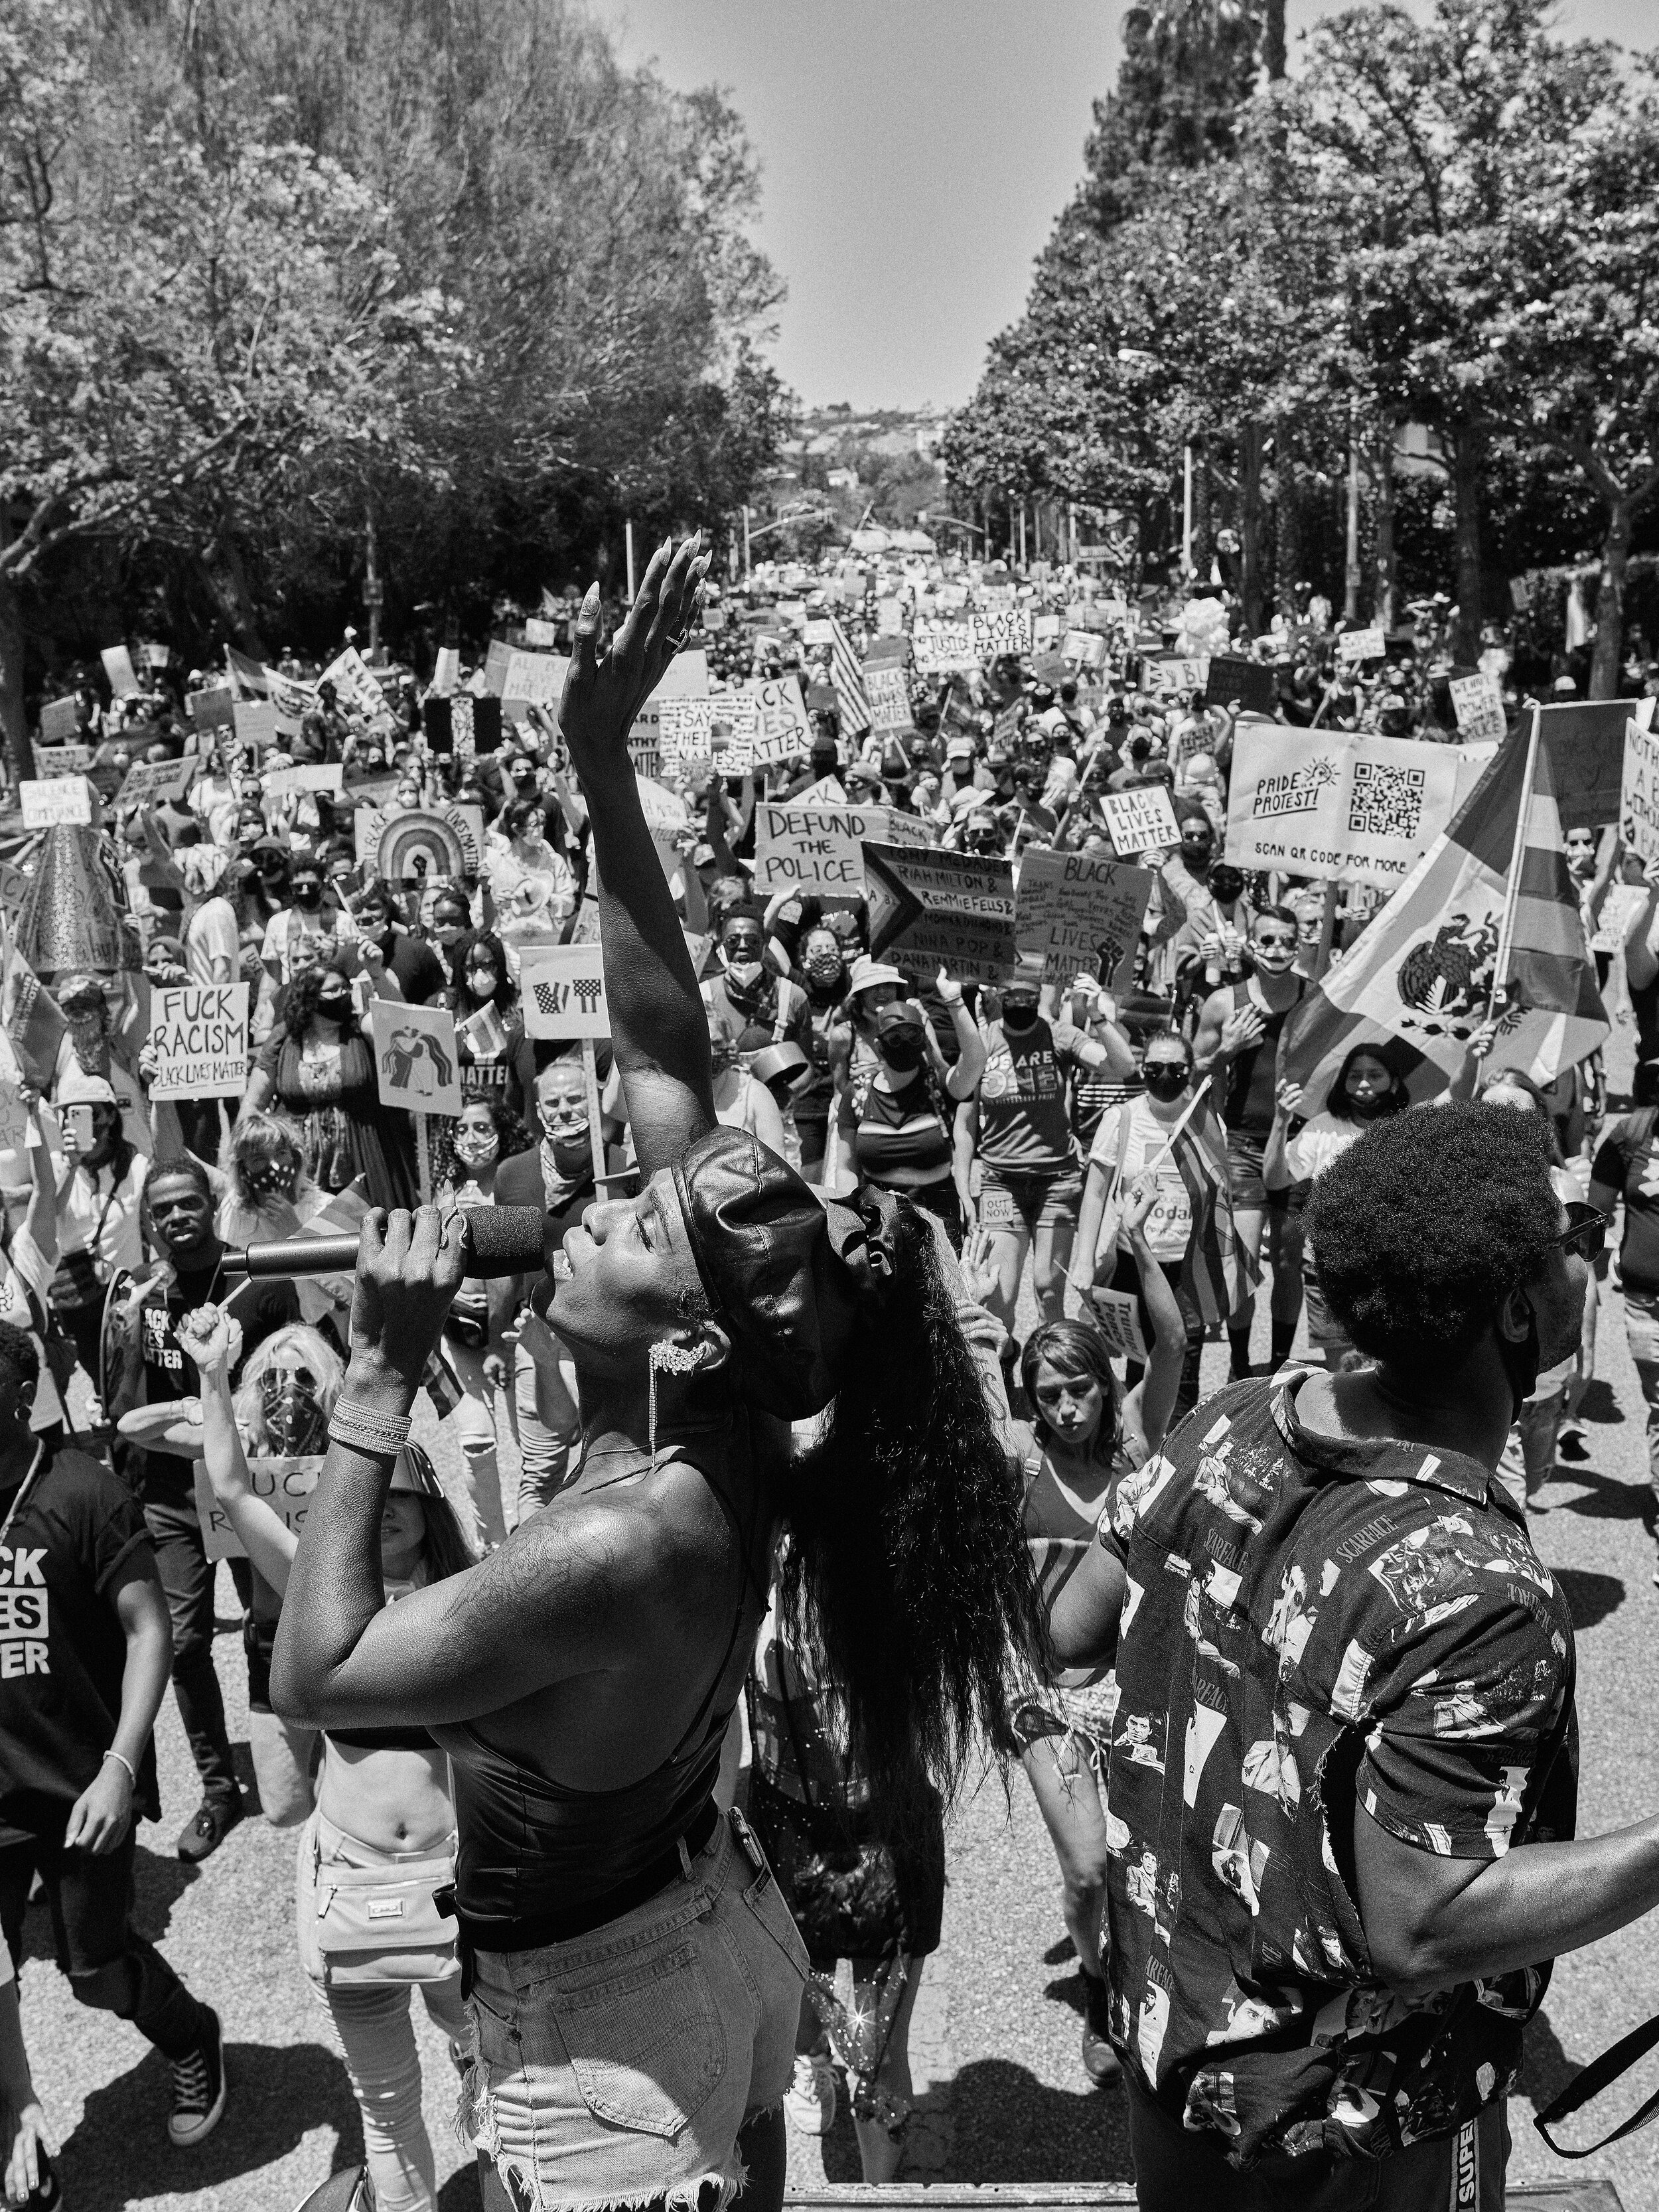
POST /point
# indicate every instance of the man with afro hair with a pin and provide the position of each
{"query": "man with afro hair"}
(1343, 1781)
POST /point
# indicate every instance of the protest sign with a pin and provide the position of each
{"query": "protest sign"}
(117, 666)
(60, 722)
(819, 631)
(213, 710)
(54, 761)
(1171, 676)
(14, 1114)
(1045, 630)
(320, 775)
(1001, 630)
(1355, 645)
(1117, 1314)
(285, 1485)
(1139, 821)
(540, 636)
(1318, 803)
(889, 694)
(1078, 912)
(1478, 703)
(686, 676)
(820, 848)
(786, 728)
(156, 656)
(421, 844)
(1585, 741)
(1085, 646)
(198, 1035)
(943, 648)
(1233, 677)
(1638, 802)
(928, 906)
(889, 618)
(561, 991)
(535, 678)
(416, 1061)
(355, 685)
(255, 725)
(59, 798)
(152, 783)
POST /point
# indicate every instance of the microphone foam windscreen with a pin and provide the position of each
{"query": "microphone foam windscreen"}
(505, 1240)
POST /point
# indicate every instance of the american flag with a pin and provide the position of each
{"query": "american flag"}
(848, 677)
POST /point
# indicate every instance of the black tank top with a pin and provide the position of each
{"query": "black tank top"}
(906, 1131)
(1252, 1078)
(532, 1849)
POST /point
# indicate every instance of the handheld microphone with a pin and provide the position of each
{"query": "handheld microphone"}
(500, 1240)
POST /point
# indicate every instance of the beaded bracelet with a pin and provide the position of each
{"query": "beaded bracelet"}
(364, 1430)
(121, 1759)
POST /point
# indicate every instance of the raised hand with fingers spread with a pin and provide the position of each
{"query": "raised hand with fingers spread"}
(604, 691)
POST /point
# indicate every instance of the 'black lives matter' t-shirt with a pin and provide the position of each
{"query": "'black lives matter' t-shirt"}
(62, 1651)
(262, 1307)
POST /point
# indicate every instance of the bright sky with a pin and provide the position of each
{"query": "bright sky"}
(915, 153)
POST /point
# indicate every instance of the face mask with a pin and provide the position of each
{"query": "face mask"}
(1018, 1013)
(903, 1050)
(745, 973)
(482, 982)
(1165, 1080)
(1274, 957)
(477, 1147)
(334, 1005)
(294, 1417)
(825, 969)
(274, 1179)
(309, 895)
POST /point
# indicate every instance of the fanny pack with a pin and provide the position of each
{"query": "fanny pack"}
(367, 1924)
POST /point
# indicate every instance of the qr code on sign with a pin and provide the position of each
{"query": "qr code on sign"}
(1387, 802)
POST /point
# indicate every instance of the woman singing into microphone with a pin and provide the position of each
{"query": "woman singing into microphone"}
(635, 1981)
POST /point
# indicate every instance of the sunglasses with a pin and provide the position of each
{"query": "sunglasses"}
(1586, 1232)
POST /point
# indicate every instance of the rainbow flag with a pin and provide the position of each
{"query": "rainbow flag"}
(31, 1017)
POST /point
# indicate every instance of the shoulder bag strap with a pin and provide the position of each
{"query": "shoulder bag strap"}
(1590, 2082)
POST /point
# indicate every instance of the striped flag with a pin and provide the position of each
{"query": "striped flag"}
(1218, 1272)
(844, 673)
(247, 675)
(30, 1016)
(1423, 977)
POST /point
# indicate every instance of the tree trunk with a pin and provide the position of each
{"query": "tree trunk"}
(1610, 602)
(14, 726)
(226, 580)
(1203, 535)
(1468, 453)
(1288, 571)
(1273, 40)
(1250, 442)
(1385, 602)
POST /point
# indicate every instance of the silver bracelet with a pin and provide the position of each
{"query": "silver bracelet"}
(122, 1759)
(364, 1430)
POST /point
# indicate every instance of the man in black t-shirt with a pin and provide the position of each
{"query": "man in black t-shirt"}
(419, 973)
(158, 1419)
(84, 1646)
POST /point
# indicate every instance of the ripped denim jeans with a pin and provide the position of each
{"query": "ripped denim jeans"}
(617, 2068)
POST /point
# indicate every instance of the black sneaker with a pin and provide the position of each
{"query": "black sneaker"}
(203, 1836)
(1100, 2060)
(198, 2088)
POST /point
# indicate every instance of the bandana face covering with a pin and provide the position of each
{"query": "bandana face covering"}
(293, 1414)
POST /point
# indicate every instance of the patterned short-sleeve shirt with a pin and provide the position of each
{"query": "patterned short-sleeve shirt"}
(1312, 1623)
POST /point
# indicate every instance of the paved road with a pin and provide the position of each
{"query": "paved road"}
(997, 2025)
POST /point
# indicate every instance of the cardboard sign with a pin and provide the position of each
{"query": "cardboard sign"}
(561, 991)
(416, 1061)
(255, 725)
(541, 637)
(285, 1485)
(151, 783)
(59, 798)
(1356, 645)
(1084, 646)
(54, 761)
(1233, 677)
(821, 848)
(927, 908)
(1639, 801)
(1117, 1315)
(117, 666)
(215, 709)
(1585, 741)
(199, 1034)
(321, 775)
(889, 694)
(1172, 676)
(1078, 912)
(686, 676)
(786, 728)
(1141, 821)
(60, 722)
(1318, 803)
(1045, 628)
(943, 648)
(1478, 703)
(1000, 630)
(536, 678)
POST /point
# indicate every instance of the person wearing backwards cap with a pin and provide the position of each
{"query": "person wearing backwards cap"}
(581, 1678)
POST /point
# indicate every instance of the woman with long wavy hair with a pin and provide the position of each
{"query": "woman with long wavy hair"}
(635, 1981)
(317, 1069)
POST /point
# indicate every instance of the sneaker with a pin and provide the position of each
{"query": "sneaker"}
(1100, 2060)
(200, 1838)
(811, 2101)
(199, 2089)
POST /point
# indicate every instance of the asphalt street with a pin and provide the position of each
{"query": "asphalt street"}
(995, 2040)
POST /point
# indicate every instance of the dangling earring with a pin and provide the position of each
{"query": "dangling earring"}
(675, 1359)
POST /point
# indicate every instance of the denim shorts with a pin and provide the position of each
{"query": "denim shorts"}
(1023, 1204)
(618, 2067)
